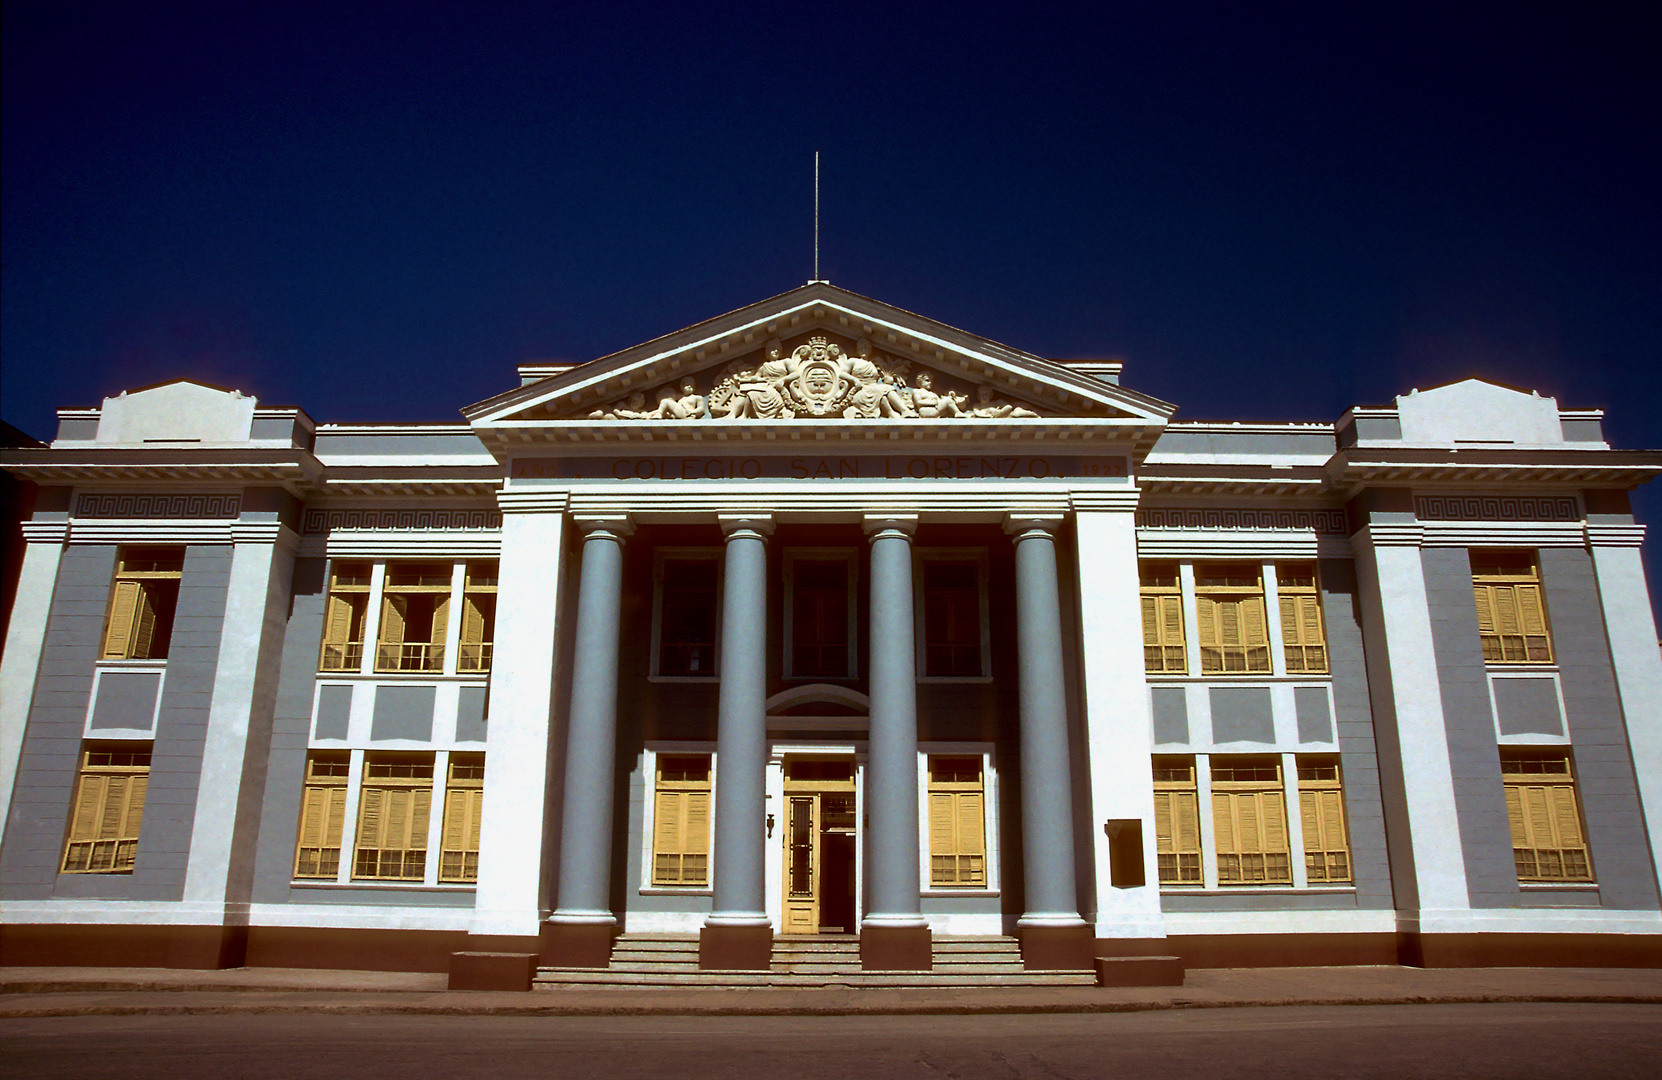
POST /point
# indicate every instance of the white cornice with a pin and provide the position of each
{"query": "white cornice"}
(1616, 535)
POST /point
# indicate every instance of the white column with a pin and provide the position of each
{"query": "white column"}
(1118, 724)
(1631, 627)
(25, 637)
(244, 694)
(1427, 863)
(509, 897)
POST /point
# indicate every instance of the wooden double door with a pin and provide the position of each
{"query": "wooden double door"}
(820, 841)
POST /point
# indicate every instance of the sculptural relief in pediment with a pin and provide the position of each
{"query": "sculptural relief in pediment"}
(817, 379)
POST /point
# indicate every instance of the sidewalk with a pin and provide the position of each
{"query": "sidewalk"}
(33, 992)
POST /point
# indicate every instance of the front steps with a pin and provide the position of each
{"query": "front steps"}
(659, 960)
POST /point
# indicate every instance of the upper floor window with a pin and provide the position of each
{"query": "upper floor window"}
(478, 617)
(415, 608)
(1229, 608)
(1163, 650)
(343, 617)
(820, 615)
(1302, 634)
(953, 623)
(146, 592)
(687, 615)
(1511, 614)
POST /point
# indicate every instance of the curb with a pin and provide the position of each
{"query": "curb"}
(958, 1008)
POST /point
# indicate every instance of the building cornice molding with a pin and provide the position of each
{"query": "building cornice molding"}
(1615, 535)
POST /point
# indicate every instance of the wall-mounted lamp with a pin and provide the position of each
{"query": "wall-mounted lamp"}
(770, 826)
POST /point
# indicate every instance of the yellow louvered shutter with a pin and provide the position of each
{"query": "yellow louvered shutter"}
(942, 854)
(1223, 822)
(1165, 829)
(1151, 620)
(1255, 633)
(972, 849)
(462, 810)
(1485, 595)
(392, 620)
(441, 621)
(144, 625)
(473, 622)
(666, 838)
(1186, 825)
(124, 605)
(89, 805)
(1565, 818)
(695, 842)
(371, 815)
(339, 627)
(1532, 618)
(1515, 816)
(133, 814)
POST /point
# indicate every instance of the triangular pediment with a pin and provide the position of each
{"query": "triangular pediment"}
(817, 353)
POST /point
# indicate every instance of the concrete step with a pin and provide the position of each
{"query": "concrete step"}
(556, 978)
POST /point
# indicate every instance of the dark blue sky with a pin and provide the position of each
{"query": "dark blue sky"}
(1270, 212)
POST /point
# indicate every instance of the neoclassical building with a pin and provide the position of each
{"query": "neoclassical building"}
(824, 619)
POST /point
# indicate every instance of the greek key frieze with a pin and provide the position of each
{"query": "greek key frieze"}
(1322, 521)
(128, 505)
(1497, 508)
(317, 522)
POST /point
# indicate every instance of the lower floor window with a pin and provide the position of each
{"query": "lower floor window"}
(464, 804)
(1177, 821)
(681, 821)
(1321, 803)
(957, 822)
(322, 815)
(1548, 842)
(1249, 821)
(107, 810)
(393, 810)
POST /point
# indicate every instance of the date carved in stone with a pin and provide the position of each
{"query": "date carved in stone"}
(817, 379)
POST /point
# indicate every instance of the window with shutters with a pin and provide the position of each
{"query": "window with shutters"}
(1249, 821)
(1548, 841)
(687, 586)
(954, 615)
(957, 822)
(139, 621)
(322, 815)
(819, 598)
(1177, 821)
(1321, 803)
(1511, 612)
(343, 617)
(1229, 607)
(415, 608)
(464, 801)
(1302, 634)
(478, 631)
(107, 809)
(681, 821)
(1163, 648)
(393, 817)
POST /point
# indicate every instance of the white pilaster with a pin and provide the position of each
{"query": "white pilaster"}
(1631, 627)
(1408, 707)
(509, 898)
(25, 637)
(245, 679)
(1118, 725)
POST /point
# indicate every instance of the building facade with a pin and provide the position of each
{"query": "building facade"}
(821, 617)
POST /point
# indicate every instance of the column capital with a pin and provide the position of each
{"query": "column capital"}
(1381, 534)
(616, 526)
(1615, 535)
(878, 525)
(1020, 524)
(750, 526)
(45, 532)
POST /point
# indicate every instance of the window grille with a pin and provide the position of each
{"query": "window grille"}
(1163, 649)
(1548, 841)
(957, 823)
(139, 621)
(1229, 606)
(1302, 635)
(1321, 800)
(107, 810)
(1177, 821)
(681, 821)
(1249, 821)
(1511, 612)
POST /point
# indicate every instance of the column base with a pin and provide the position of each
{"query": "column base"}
(584, 945)
(735, 948)
(1057, 948)
(896, 948)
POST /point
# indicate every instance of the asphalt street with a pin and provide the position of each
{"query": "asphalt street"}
(1508, 1041)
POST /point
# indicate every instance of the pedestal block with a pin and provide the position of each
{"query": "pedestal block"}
(492, 970)
(735, 948)
(896, 948)
(580, 945)
(1057, 948)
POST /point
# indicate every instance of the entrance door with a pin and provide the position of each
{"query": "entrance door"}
(819, 846)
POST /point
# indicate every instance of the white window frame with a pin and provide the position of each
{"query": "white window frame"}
(124, 734)
(659, 557)
(1529, 738)
(788, 573)
(921, 556)
(649, 809)
(987, 752)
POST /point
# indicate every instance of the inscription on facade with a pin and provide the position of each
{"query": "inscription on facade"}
(852, 467)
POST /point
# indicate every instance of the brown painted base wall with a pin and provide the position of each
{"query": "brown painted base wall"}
(200, 947)
(1411, 950)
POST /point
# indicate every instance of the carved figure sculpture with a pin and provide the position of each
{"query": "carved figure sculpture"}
(989, 407)
(690, 405)
(636, 411)
(931, 405)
